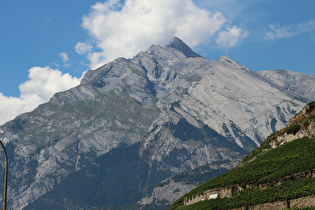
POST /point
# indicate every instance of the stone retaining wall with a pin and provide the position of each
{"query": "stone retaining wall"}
(293, 203)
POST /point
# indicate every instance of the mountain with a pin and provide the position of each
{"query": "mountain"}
(179, 45)
(280, 174)
(134, 123)
(294, 82)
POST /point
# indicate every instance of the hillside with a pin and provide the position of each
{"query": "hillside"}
(281, 172)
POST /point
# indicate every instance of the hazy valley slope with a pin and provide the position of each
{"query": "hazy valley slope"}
(140, 121)
(278, 175)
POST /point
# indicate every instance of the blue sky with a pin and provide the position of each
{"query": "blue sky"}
(45, 46)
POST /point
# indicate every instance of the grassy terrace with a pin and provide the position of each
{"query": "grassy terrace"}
(271, 165)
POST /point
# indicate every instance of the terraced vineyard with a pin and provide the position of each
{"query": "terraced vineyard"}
(266, 175)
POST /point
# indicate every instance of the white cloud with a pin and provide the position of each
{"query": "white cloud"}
(231, 36)
(43, 83)
(83, 48)
(124, 30)
(64, 56)
(276, 31)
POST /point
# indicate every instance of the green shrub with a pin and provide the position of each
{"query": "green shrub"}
(311, 105)
(293, 129)
(312, 117)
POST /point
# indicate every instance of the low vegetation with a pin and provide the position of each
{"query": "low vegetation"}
(266, 168)
(254, 195)
(293, 129)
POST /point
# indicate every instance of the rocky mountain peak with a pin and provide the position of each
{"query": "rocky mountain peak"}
(227, 58)
(178, 110)
(181, 46)
(227, 61)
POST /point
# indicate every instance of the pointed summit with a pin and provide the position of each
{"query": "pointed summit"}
(179, 45)
(228, 61)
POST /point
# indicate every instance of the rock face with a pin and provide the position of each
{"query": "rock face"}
(268, 175)
(295, 82)
(166, 111)
(299, 126)
(177, 186)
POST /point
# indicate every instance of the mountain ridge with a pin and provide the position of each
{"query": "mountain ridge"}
(294, 82)
(150, 100)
